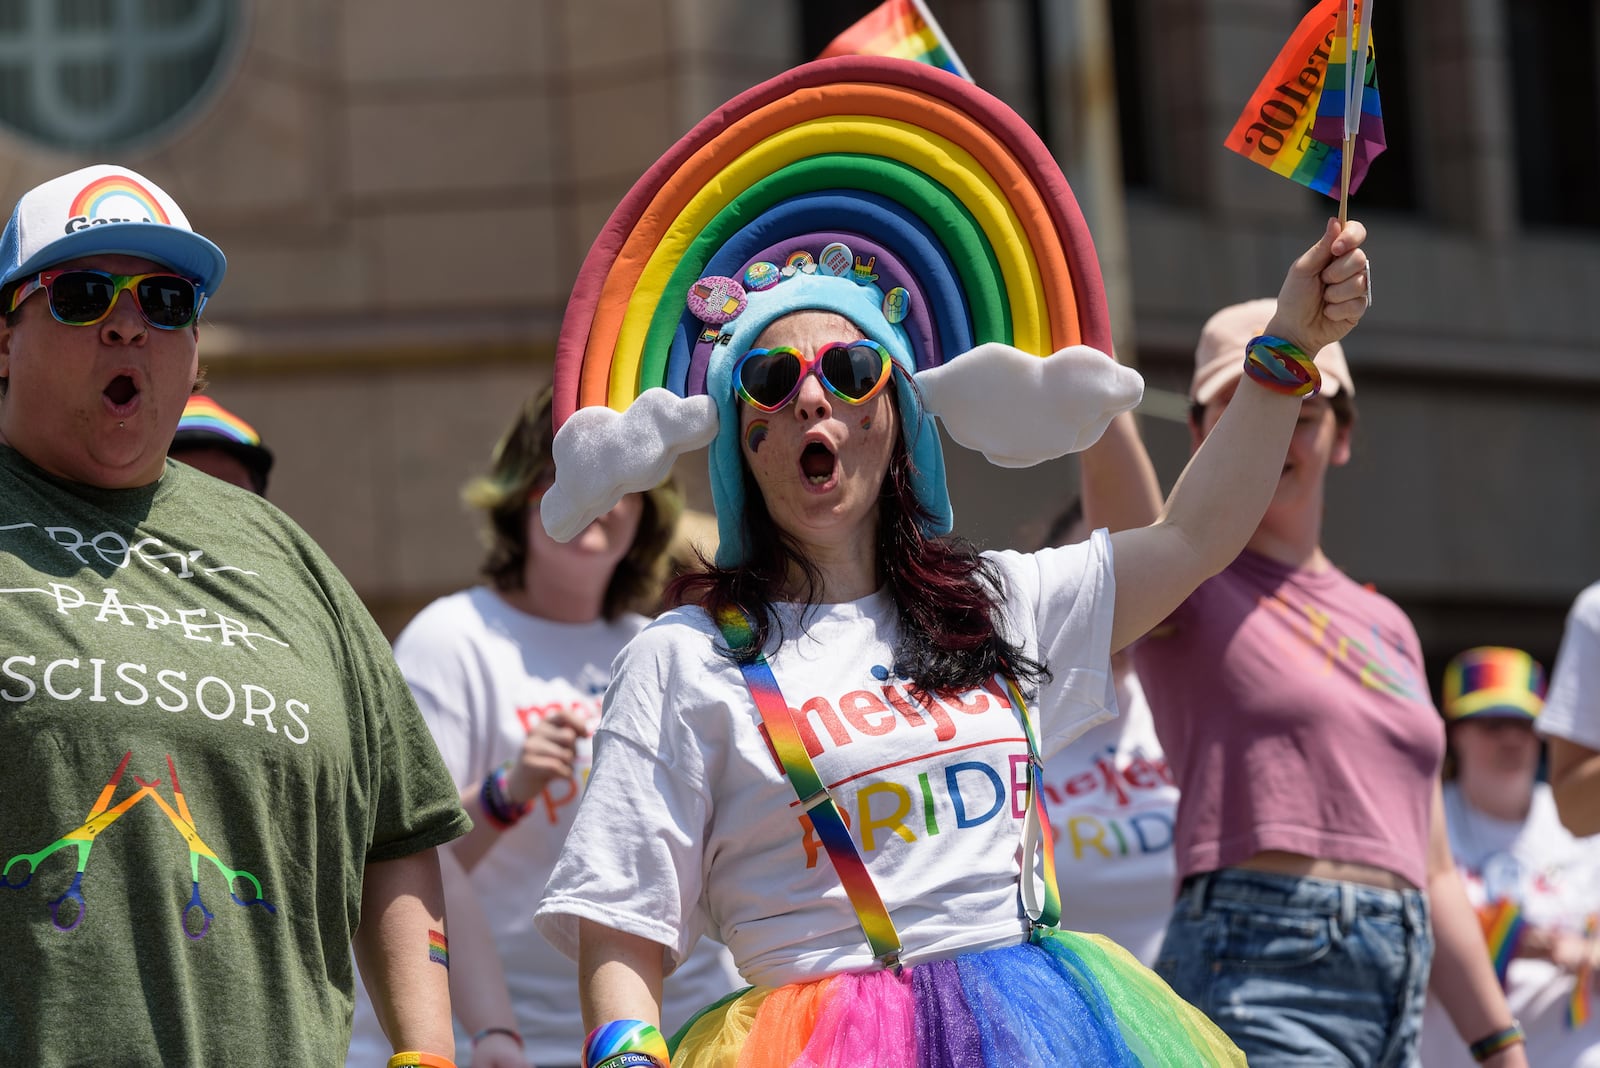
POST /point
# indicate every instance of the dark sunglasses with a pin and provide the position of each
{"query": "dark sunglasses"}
(82, 296)
(853, 371)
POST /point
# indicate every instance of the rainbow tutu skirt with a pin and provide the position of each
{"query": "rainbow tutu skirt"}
(1065, 999)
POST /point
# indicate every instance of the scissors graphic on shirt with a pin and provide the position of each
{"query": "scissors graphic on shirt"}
(101, 816)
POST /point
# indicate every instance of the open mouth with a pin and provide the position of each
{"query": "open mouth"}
(121, 392)
(817, 463)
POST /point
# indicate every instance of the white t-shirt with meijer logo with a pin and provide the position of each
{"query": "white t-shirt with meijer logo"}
(689, 824)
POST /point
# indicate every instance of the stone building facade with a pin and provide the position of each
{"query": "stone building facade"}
(405, 190)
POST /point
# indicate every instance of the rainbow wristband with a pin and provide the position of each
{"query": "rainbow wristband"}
(1281, 366)
(625, 1044)
(501, 811)
(413, 1059)
(1489, 1045)
(631, 1059)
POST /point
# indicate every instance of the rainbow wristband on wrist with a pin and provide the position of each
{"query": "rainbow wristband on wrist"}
(1503, 1039)
(625, 1044)
(1281, 366)
(414, 1059)
(497, 806)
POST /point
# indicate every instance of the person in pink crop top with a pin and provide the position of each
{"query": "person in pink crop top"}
(1316, 882)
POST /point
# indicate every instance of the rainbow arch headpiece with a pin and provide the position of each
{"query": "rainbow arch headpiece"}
(908, 200)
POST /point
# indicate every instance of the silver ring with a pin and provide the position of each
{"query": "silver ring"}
(1369, 282)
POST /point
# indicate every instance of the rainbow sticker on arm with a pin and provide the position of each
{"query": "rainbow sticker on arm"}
(943, 196)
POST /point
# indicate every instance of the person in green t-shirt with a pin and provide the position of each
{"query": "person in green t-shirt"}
(215, 778)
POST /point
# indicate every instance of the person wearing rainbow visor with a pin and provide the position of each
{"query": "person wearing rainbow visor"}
(1535, 886)
(214, 440)
(893, 903)
(213, 767)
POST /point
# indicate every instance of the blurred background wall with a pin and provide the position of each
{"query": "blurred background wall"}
(405, 190)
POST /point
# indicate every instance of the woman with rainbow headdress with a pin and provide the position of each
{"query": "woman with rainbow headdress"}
(825, 755)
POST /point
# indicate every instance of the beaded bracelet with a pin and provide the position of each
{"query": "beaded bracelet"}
(1281, 366)
(1489, 1045)
(497, 806)
(625, 1044)
(414, 1059)
(510, 1032)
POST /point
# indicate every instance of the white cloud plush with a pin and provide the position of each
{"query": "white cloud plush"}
(1020, 410)
(603, 455)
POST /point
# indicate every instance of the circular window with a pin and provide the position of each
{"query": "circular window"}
(86, 75)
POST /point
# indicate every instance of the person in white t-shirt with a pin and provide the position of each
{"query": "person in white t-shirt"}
(509, 677)
(845, 643)
(1571, 720)
(1112, 799)
(1535, 885)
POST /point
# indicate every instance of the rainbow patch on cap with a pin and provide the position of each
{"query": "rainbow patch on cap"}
(103, 197)
(1493, 681)
(948, 182)
(204, 414)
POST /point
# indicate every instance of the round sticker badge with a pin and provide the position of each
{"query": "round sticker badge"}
(837, 260)
(761, 275)
(896, 304)
(715, 299)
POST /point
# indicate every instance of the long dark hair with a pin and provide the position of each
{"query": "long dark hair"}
(945, 593)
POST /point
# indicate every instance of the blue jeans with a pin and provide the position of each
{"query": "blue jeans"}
(1302, 971)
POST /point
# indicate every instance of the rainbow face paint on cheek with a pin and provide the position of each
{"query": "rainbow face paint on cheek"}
(866, 422)
(755, 434)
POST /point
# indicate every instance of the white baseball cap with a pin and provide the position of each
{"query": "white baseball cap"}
(105, 209)
(1219, 357)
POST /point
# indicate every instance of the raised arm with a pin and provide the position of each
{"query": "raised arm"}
(1120, 489)
(1223, 492)
(402, 920)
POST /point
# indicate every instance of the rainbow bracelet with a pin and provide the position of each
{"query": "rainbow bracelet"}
(625, 1044)
(1489, 1045)
(498, 807)
(1281, 366)
(414, 1059)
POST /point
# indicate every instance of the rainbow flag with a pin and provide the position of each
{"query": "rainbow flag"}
(904, 29)
(1579, 1004)
(1502, 929)
(1294, 122)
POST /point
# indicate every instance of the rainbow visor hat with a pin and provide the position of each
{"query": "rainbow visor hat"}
(909, 201)
(1493, 682)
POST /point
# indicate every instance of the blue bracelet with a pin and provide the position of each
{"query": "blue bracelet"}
(500, 809)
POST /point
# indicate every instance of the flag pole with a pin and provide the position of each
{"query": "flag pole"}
(1344, 180)
(1355, 80)
(921, 8)
(1351, 122)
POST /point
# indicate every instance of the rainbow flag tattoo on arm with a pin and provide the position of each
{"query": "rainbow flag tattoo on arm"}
(438, 948)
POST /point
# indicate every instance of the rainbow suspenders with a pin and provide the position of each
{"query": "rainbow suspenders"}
(1038, 847)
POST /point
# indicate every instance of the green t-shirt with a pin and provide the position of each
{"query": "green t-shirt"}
(203, 740)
